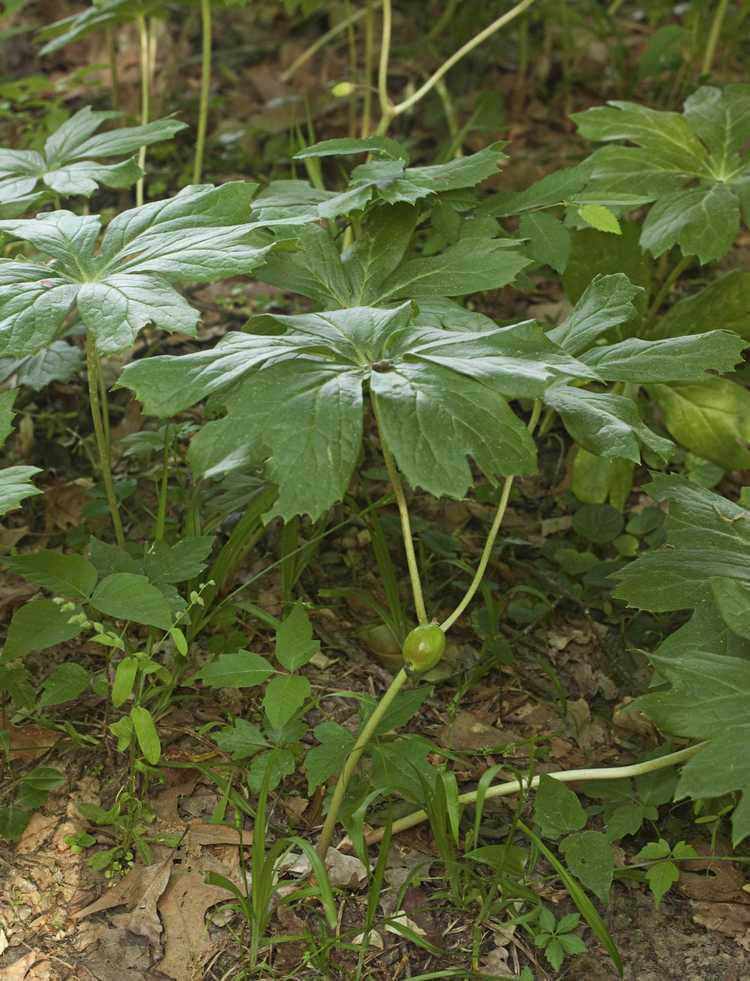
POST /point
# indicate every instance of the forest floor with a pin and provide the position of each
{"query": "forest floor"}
(566, 687)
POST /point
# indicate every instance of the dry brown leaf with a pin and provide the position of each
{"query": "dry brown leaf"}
(202, 833)
(19, 969)
(30, 743)
(140, 891)
(64, 502)
(183, 908)
(729, 919)
(166, 804)
(39, 829)
(345, 871)
(467, 732)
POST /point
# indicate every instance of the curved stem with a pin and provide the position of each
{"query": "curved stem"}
(386, 109)
(484, 559)
(446, 66)
(403, 510)
(96, 384)
(143, 41)
(664, 291)
(369, 729)
(321, 42)
(713, 36)
(369, 59)
(564, 776)
(614, 7)
(200, 143)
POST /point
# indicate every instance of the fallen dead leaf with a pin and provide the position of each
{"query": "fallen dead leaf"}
(202, 833)
(467, 732)
(183, 908)
(345, 871)
(39, 829)
(30, 743)
(400, 919)
(140, 891)
(19, 969)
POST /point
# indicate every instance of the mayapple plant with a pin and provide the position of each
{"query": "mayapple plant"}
(438, 379)
(69, 162)
(690, 171)
(117, 284)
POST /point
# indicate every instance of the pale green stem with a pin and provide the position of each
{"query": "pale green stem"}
(713, 36)
(321, 42)
(326, 835)
(563, 776)
(143, 40)
(101, 433)
(369, 59)
(614, 7)
(490, 543)
(465, 49)
(403, 510)
(386, 109)
(353, 71)
(200, 142)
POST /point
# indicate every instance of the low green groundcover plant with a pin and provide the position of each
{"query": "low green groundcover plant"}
(454, 398)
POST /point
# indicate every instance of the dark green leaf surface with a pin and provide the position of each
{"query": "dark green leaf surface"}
(607, 302)
(605, 425)
(671, 359)
(707, 537)
(196, 237)
(125, 596)
(689, 163)
(68, 163)
(68, 575)
(35, 626)
(723, 304)
(711, 418)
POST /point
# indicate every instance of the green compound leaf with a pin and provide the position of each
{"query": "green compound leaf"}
(606, 302)
(606, 425)
(557, 809)
(679, 359)
(16, 486)
(68, 163)
(708, 698)
(241, 740)
(295, 644)
(708, 537)
(198, 236)
(588, 855)
(295, 400)
(66, 683)
(549, 239)
(690, 165)
(325, 760)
